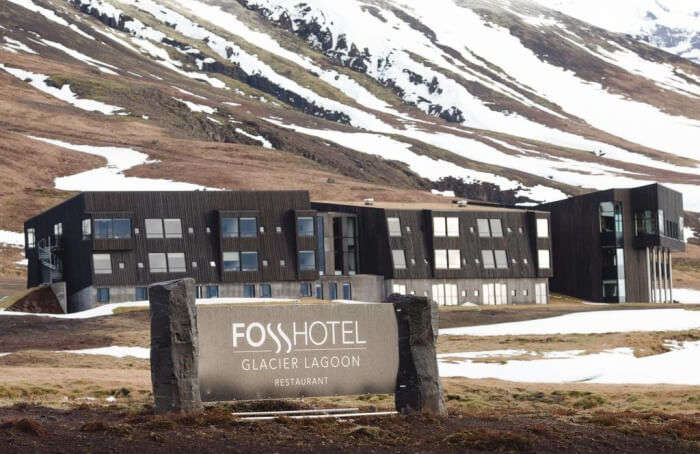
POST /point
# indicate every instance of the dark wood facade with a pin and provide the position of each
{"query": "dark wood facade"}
(578, 245)
(200, 214)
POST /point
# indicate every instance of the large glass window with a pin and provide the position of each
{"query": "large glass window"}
(399, 258)
(483, 227)
(307, 260)
(542, 228)
(176, 262)
(141, 294)
(439, 228)
(265, 290)
(394, 226)
(543, 258)
(229, 227)
(305, 290)
(488, 259)
(173, 228)
(454, 259)
(249, 291)
(212, 291)
(232, 261)
(249, 261)
(501, 259)
(645, 222)
(453, 227)
(87, 229)
(157, 262)
(102, 263)
(305, 226)
(154, 228)
(496, 228)
(31, 238)
(111, 228)
(440, 259)
(248, 227)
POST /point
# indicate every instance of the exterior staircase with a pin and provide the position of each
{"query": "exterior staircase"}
(51, 263)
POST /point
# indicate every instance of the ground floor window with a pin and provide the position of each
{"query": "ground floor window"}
(141, 293)
(446, 294)
(249, 291)
(265, 290)
(103, 295)
(494, 293)
(305, 290)
(398, 288)
(347, 291)
(541, 293)
(333, 290)
(319, 292)
(212, 291)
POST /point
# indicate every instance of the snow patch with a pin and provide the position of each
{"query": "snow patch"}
(115, 351)
(194, 107)
(12, 238)
(263, 141)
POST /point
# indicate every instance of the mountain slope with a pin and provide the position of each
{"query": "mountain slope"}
(503, 100)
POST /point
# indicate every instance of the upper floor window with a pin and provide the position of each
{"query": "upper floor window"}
(31, 238)
(496, 228)
(232, 261)
(483, 226)
(58, 230)
(453, 227)
(488, 259)
(440, 259)
(454, 260)
(157, 263)
(542, 228)
(249, 261)
(399, 258)
(501, 259)
(305, 226)
(154, 228)
(543, 258)
(111, 228)
(394, 226)
(176, 262)
(248, 227)
(307, 260)
(87, 228)
(439, 228)
(102, 263)
(173, 228)
(229, 227)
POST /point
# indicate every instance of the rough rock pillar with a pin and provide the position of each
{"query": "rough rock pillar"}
(174, 347)
(418, 387)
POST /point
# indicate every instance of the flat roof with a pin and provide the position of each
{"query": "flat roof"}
(433, 206)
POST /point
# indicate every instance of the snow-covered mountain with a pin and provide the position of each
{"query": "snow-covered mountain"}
(507, 100)
(672, 25)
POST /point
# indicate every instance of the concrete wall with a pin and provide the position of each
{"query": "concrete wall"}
(59, 289)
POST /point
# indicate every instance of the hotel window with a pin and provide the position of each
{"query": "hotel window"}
(212, 291)
(305, 226)
(31, 238)
(398, 288)
(399, 257)
(307, 261)
(229, 227)
(103, 295)
(248, 291)
(543, 258)
(440, 259)
(157, 263)
(232, 261)
(154, 228)
(347, 291)
(483, 226)
(496, 228)
(305, 290)
(453, 227)
(173, 228)
(501, 259)
(487, 258)
(394, 226)
(58, 230)
(454, 259)
(265, 290)
(249, 261)
(111, 228)
(176, 262)
(141, 293)
(542, 228)
(248, 228)
(319, 292)
(102, 263)
(439, 228)
(87, 229)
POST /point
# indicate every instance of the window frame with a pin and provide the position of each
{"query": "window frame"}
(312, 254)
(304, 233)
(235, 232)
(101, 291)
(171, 256)
(488, 258)
(483, 232)
(439, 221)
(158, 255)
(401, 255)
(540, 223)
(496, 227)
(451, 259)
(225, 260)
(177, 232)
(31, 238)
(543, 253)
(152, 226)
(257, 261)
(440, 257)
(452, 226)
(95, 268)
(86, 228)
(502, 254)
(253, 233)
(394, 226)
